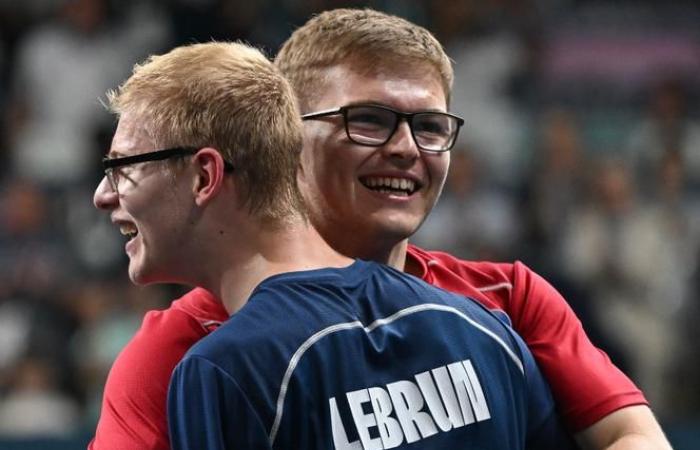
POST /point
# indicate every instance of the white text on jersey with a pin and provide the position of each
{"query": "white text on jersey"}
(440, 399)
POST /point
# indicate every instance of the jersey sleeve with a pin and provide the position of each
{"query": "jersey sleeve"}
(208, 410)
(545, 429)
(133, 414)
(586, 385)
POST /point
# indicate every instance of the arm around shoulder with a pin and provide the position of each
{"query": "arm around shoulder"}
(133, 411)
(587, 386)
(629, 428)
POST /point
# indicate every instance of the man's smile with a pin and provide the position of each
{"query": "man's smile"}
(391, 185)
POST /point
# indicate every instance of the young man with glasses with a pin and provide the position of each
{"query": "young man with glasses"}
(344, 58)
(315, 339)
(367, 196)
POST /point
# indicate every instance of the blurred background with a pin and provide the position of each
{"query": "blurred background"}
(580, 156)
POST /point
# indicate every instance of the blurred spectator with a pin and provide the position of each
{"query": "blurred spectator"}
(635, 259)
(34, 406)
(554, 186)
(473, 219)
(666, 130)
(267, 23)
(15, 325)
(483, 38)
(37, 266)
(32, 253)
(110, 312)
(63, 67)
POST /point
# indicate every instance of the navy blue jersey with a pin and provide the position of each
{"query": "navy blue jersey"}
(364, 357)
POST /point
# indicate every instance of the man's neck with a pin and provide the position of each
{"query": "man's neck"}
(396, 257)
(294, 248)
(399, 259)
(391, 255)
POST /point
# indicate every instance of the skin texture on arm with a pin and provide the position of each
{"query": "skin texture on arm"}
(630, 428)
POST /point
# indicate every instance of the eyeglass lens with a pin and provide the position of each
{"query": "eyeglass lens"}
(372, 125)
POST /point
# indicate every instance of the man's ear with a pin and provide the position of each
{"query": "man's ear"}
(209, 180)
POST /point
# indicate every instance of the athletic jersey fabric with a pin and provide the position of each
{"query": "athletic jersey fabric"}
(585, 384)
(363, 357)
(133, 415)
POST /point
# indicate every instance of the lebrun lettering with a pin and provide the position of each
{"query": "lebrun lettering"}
(439, 400)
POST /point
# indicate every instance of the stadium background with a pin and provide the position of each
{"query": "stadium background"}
(580, 156)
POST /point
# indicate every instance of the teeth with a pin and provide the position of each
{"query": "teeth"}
(387, 184)
(128, 230)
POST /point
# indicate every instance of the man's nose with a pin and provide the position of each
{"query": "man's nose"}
(105, 197)
(401, 145)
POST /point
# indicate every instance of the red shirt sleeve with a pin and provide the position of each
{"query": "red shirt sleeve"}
(585, 383)
(133, 415)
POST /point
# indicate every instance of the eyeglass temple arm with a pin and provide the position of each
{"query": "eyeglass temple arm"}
(325, 112)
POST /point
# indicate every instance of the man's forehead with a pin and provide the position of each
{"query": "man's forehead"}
(392, 66)
(358, 82)
(130, 137)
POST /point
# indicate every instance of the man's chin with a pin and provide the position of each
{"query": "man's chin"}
(396, 227)
(137, 278)
(140, 275)
(147, 274)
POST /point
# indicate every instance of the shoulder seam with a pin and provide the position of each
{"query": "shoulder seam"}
(495, 287)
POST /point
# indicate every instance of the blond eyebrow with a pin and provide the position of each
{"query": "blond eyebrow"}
(386, 105)
(114, 154)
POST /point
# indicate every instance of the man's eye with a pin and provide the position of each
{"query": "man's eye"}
(430, 126)
(367, 119)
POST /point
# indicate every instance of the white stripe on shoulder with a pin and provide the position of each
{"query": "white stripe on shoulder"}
(368, 329)
(293, 363)
(495, 287)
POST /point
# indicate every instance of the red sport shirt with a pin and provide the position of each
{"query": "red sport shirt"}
(585, 383)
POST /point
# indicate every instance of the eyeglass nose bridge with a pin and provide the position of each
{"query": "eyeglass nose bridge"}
(408, 119)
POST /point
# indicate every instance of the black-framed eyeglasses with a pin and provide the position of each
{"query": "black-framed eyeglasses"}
(110, 164)
(374, 125)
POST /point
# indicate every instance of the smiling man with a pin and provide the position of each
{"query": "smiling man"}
(201, 178)
(343, 58)
(364, 80)
(383, 186)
